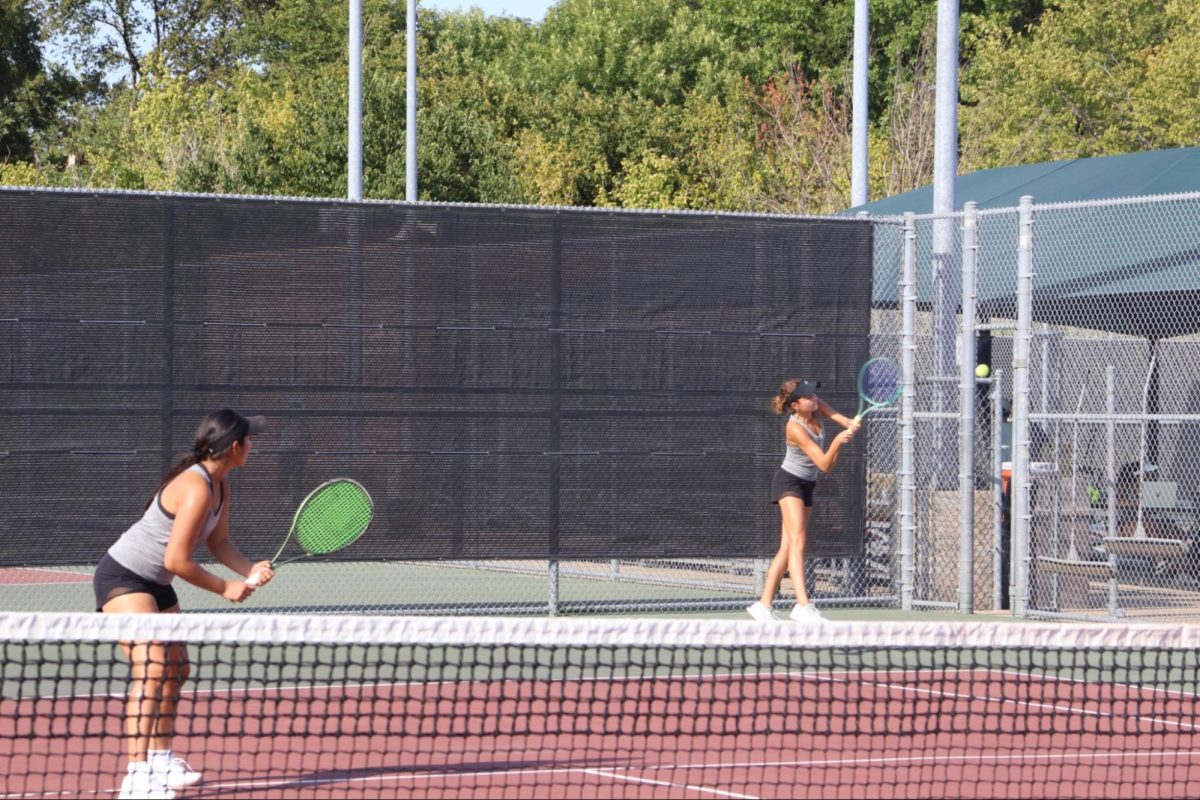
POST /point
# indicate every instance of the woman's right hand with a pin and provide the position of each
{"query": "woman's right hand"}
(237, 591)
(847, 435)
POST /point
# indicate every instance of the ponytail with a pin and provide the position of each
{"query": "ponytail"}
(216, 433)
(779, 402)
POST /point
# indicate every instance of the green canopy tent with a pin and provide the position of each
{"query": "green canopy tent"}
(1131, 175)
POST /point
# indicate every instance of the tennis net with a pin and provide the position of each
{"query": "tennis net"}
(292, 706)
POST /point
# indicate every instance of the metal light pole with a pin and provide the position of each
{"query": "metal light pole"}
(410, 132)
(858, 138)
(945, 265)
(354, 148)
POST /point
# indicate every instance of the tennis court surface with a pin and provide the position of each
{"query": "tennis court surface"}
(294, 706)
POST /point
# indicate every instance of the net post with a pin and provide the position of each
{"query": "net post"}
(966, 419)
(908, 348)
(1020, 426)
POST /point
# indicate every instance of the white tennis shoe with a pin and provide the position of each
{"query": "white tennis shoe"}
(761, 613)
(141, 783)
(807, 614)
(174, 771)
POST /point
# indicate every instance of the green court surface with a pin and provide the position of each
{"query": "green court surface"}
(507, 588)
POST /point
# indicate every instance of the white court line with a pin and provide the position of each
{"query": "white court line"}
(1016, 673)
(688, 786)
(429, 775)
(432, 775)
(1055, 707)
(940, 758)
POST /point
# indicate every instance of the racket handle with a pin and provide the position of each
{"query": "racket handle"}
(857, 418)
(252, 581)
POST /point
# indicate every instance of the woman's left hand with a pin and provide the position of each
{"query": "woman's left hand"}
(264, 572)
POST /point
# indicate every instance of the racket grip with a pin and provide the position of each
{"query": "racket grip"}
(253, 579)
(857, 418)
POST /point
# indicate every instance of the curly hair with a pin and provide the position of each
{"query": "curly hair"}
(780, 400)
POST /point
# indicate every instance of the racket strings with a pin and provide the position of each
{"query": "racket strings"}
(333, 518)
(879, 382)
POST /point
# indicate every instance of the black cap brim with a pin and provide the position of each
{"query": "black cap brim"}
(804, 389)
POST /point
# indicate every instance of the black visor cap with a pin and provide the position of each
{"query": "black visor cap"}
(804, 389)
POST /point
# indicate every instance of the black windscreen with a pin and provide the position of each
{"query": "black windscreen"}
(507, 382)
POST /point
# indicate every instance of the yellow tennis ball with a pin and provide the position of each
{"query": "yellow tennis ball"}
(982, 371)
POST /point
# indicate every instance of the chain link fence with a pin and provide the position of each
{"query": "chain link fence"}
(1065, 481)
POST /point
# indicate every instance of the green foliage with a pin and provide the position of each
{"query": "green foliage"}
(19, 173)
(719, 104)
(34, 98)
(1062, 91)
(1166, 105)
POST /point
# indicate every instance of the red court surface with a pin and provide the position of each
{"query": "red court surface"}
(971, 734)
(21, 576)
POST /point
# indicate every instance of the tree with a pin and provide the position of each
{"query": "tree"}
(34, 98)
(1062, 89)
(1166, 105)
(804, 135)
(195, 38)
(20, 71)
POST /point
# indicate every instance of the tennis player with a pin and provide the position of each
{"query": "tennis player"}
(189, 506)
(792, 489)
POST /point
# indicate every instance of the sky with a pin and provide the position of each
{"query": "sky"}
(532, 10)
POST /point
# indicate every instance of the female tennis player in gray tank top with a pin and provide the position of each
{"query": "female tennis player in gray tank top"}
(189, 507)
(793, 487)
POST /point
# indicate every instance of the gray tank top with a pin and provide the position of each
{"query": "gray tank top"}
(797, 462)
(141, 549)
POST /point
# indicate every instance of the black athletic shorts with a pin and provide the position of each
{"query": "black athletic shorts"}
(113, 579)
(788, 485)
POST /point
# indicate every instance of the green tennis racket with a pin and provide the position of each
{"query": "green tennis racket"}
(879, 385)
(332, 517)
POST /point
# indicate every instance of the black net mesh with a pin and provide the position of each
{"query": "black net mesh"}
(296, 707)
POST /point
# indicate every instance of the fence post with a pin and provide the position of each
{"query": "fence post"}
(966, 419)
(908, 347)
(1000, 548)
(1110, 440)
(1020, 426)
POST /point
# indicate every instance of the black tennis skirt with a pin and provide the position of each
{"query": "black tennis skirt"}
(113, 579)
(786, 484)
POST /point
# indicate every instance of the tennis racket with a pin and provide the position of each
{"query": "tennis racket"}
(879, 385)
(332, 517)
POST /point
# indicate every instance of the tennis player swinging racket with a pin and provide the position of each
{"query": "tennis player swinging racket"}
(796, 479)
